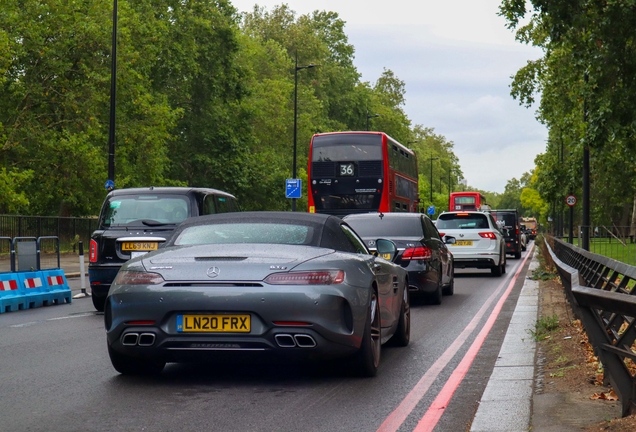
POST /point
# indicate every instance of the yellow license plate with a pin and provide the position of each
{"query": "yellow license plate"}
(213, 323)
(386, 256)
(463, 243)
(139, 246)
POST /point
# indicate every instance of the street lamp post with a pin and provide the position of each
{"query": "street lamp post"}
(370, 116)
(296, 69)
(113, 82)
(585, 240)
(432, 159)
(450, 168)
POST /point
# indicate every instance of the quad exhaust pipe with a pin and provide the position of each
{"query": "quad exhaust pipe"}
(304, 341)
(138, 339)
(297, 340)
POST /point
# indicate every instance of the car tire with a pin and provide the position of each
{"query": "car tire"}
(449, 289)
(435, 298)
(402, 335)
(518, 254)
(499, 269)
(98, 302)
(127, 365)
(367, 360)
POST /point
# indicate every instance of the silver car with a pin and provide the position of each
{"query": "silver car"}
(263, 284)
(479, 243)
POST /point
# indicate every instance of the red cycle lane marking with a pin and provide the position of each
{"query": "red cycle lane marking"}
(439, 405)
(397, 417)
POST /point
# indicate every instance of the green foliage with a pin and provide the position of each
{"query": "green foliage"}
(587, 98)
(205, 97)
(437, 162)
(12, 199)
(541, 274)
(544, 327)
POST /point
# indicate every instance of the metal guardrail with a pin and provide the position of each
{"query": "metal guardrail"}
(601, 291)
(69, 230)
(617, 242)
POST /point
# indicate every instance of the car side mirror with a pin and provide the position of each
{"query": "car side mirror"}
(450, 240)
(386, 249)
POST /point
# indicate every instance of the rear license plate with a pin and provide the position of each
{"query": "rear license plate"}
(139, 246)
(463, 243)
(213, 323)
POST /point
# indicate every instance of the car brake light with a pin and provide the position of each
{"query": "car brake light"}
(488, 235)
(92, 253)
(143, 322)
(517, 231)
(417, 253)
(292, 323)
(137, 278)
(320, 277)
(442, 234)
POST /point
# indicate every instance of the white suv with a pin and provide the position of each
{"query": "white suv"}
(478, 241)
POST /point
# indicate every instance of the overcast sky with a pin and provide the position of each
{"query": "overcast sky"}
(456, 58)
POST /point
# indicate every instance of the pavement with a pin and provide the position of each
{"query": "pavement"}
(506, 404)
(71, 265)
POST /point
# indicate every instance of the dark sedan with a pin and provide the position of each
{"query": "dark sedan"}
(296, 285)
(421, 249)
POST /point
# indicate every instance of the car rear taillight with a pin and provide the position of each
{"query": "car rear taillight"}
(142, 322)
(442, 234)
(517, 231)
(137, 278)
(92, 253)
(488, 235)
(319, 277)
(417, 253)
(292, 323)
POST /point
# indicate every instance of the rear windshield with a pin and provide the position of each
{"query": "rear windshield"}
(133, 209)
(232, 233)
(462, 221)
(508, 220)
(386, 227)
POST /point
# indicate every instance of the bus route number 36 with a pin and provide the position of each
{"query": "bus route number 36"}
(346, 169)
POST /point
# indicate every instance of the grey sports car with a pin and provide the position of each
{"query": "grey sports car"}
(302, 286)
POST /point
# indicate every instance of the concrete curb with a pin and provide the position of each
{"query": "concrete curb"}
(506, 404)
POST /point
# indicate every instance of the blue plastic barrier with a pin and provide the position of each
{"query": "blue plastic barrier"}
(35, 289)
(57, 286)
(11, 296)
(30, 286)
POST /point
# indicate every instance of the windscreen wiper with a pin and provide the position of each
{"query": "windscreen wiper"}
(151, 222)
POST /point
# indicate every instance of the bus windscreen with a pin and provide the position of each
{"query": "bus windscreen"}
(347, 147)
(464, 200)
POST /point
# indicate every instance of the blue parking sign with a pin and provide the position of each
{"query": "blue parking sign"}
(430, 210)
(293, 188)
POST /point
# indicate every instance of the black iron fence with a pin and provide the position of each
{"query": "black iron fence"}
(69, 230)
(601, 291)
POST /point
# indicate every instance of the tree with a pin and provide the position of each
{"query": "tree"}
(587, 95)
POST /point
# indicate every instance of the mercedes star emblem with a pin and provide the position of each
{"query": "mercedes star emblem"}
(213, 272)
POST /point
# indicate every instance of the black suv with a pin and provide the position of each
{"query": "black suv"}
(133, 222)
(508, 223)
(421, 250)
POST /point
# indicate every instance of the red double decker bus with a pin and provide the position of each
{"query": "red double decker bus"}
(465, 201)
(361, 172)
